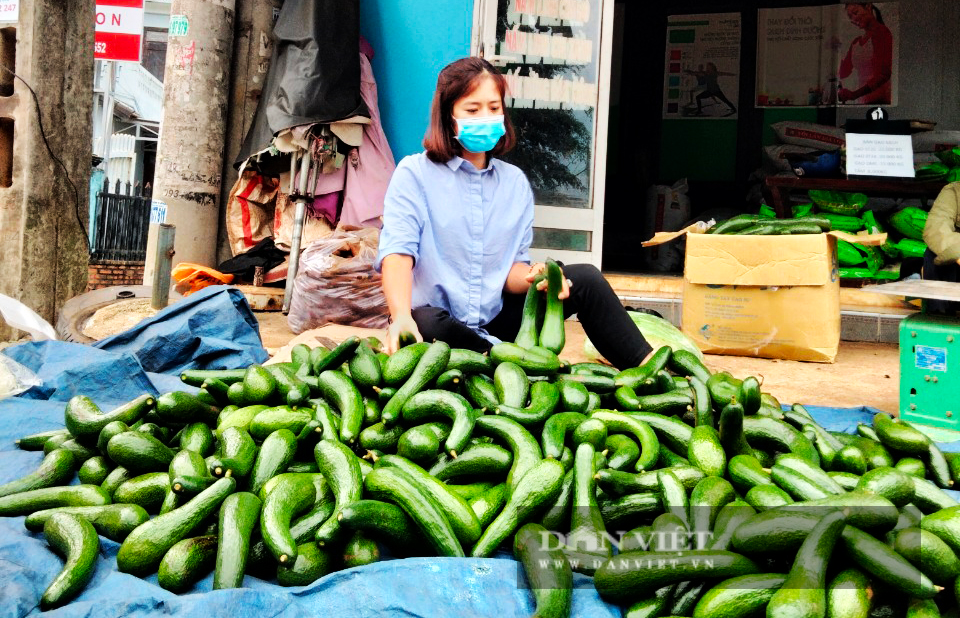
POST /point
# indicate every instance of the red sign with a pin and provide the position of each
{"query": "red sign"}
(119, 30)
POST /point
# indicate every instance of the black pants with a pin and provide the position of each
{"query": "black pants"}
(593, 300)
(943, 272)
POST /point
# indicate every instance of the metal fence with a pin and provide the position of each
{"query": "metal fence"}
(121, 223)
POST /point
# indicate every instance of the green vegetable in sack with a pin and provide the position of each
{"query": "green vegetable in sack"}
(866, 273)
(657, 331)
(802, 210)
(932, 171)
(950, 157)
(907, 247)
(766, 212)
(910, 222)
(838, 202)
(873, 226)
(848, 254)
(954, 175)
(843, 223)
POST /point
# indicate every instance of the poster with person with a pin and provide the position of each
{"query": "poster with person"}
(843, 54)
(701, 76)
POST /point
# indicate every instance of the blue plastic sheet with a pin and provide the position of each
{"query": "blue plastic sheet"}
(210, 329)
(417, 587)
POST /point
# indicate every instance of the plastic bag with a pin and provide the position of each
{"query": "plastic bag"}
(193, 277)
(15, 378)
(667, 209)
(336, 283)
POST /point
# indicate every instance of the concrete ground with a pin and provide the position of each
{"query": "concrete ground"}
(863, 374)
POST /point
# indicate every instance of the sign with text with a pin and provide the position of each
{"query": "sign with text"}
(870, 154)
(118, 30)
(9, 11)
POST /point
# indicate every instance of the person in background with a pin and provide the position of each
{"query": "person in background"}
(941, 262)
(710, 78)
(870, 56)
(457, 230)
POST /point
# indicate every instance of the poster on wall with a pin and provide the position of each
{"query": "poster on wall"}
(701, 76)
(842, 54)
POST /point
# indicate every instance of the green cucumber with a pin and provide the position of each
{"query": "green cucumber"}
(890, 483)
(291, 390)
(274, 456)
(402, 363)
(622, 451)
(511, 384)
(180, 407)
(239, 514)
(535, 361)
(240, 417)
(766, 432)
(574, 396)
(197, 437)
(707, 498)
(395, 485)
(945, 524)
(520, 442)
(544, 397)
(749, 396)
(555, 430)
(480, 391)
(56, 468)
(431, 364)
(592, 431)
(804, 591)
(114, 521)
(311, 564)
(706, 452)
(723, 388)
(196, 377)
(328, 419)
(32, 500)
(360, 550)
(364, 367)
(437, 403)
(380, 437)
(531, 317)
(730, 427)
(587, 529)
(84, 419)
(739, 596)
(35, 441)
(810, 471)
(620, 483)
(728, 520)
(849, 595)
(637, 573)
(450, 380)
(635, 376)
(117, 476)
(139, 452)
(673, 496)
(142, 551)
(775, 531)
(702, 404)
(552, 334)
(336, 357)
(638, 429)
(900, 436)
(928, 553)
(341, 468)
(629, 509)
(290, 495)
(236, 452)
(475, 460)
(745, 472)
(488, 505)
(887, 566)
(340, 391)
(75, 539)
(537, 488)
(53, 442)
(766, 497)
(455, 508)
(386, 522)
(469, 361)
(547, 572)
(912, 466)
(867, 511)
(187, 562)
(846, 480)
(672, 432)
(686, 363)
(939, 467)
(147, 491)
(849, 459)
(422, 442)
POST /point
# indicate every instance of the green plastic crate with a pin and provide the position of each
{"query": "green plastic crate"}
(930, 370)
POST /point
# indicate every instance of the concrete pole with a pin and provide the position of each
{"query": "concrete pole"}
(252, 48)
(190, 151)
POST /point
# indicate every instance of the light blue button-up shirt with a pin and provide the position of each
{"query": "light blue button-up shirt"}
(463, 227)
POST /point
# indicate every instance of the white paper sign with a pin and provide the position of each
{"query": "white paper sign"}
(158, 211)
(869, 154)
(9, 11)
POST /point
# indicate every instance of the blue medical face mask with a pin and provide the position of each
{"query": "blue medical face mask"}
(480, 134)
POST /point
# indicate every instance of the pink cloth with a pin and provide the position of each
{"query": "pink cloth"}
(370, 166)
(325, 206)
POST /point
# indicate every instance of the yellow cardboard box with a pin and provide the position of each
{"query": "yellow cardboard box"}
(766, 296)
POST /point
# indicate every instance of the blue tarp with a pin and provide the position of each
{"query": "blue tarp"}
(419, 587)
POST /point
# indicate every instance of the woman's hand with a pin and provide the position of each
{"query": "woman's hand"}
(537, 268)
(399, 324)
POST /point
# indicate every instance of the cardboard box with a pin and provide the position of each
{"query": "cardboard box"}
(766, 296)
